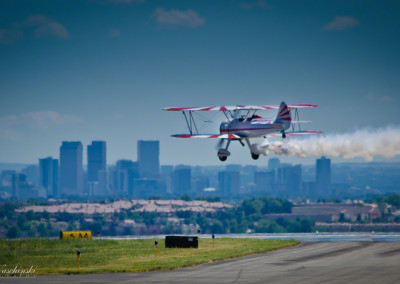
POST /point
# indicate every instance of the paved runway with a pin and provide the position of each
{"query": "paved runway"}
(322, 262)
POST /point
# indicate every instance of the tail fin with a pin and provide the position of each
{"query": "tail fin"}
(284, 113)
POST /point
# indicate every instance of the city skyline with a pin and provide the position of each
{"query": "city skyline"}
(103, 70)
(124, 180)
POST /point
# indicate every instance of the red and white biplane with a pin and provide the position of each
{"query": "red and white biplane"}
(242, 123)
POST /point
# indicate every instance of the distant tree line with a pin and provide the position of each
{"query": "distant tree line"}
(244, 217)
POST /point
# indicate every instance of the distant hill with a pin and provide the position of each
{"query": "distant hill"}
(12, 166)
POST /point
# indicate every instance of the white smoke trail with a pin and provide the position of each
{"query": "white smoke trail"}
(366, 143)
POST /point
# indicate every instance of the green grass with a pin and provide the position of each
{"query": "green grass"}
(99, 256)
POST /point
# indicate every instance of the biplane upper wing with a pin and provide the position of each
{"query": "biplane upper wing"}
(238, 107)
(261, 107)
(295, 133)
(215, 108)
(223, 136)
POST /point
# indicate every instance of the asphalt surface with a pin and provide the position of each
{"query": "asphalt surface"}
(321, 262)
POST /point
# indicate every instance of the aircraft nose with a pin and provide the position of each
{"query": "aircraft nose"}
(223, 128)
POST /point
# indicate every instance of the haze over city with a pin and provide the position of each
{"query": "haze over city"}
(102, 70)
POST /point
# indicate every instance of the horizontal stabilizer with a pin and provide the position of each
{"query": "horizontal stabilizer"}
(295, 133)
(223, 136)
(300, 121)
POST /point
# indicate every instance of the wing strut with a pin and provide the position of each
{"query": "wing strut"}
(191, 124)
(227, 115)
(296, 117)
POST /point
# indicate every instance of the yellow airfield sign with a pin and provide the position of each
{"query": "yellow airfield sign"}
(76, 235)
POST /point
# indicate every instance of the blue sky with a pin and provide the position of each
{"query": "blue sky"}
(103, 69)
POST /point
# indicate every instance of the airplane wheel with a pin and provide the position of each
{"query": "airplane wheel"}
(283, 135)
(254, 156)
(223, 158)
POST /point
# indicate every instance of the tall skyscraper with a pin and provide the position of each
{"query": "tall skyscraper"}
(294, 181)
(48, 176)
(181, 181)
(32, 174)
(308, 189)
(323, 176)
(264, 180)
(273, 163)
(97, 161)
(101, 187)
(199, 183)
(71, 170)
(21, 189)
(15, 182)
(229, 183)
(125, 172)
(148, 158)
(167, 169)
(289, 179)
(233, 168)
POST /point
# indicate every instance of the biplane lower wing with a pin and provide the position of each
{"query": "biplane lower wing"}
(272, 122)
(223, 136)
(295, 133)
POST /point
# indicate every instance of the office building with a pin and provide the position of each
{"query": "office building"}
(323, 178)
(148, 158)
(229, 183)
(122, 177)
(199, 183)
(273, 163)
(97, 161)
(233, 168)
(71, 170)
(289, 180)
(21, 189)
(32, 173)
(145, 187)
(264, 181)
(167, 169)
(102, 188)
(48, 176)
(6, 176)
(181, 181)
(308, 190)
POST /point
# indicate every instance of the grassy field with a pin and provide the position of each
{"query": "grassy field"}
(99, 256)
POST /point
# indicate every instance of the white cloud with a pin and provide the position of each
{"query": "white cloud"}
(114, 33)
(12, 126)
(187, 18)
(386, 99)
(46, 119)
(45, 26)
(127, 1)
(260, 4)
(10, 36)
(121, 1)
(342, 23)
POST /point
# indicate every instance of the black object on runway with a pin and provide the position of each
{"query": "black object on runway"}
(181, 242)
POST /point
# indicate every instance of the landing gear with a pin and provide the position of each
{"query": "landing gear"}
(222, 158)
(224, 153)
(253, 149)
(254, 156)
(283, 135)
